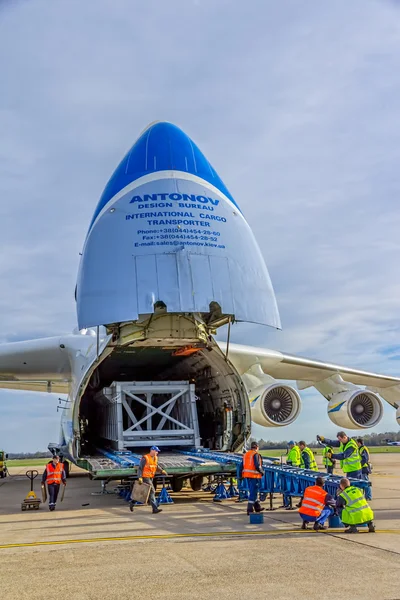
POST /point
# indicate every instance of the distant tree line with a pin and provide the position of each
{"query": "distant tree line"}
(370, 439)
(21, 455)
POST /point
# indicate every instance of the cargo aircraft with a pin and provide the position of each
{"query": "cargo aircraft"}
(168, 259)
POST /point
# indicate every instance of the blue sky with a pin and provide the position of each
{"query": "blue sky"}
(296, 106)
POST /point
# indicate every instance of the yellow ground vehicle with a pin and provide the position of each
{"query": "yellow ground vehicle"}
(3, 466)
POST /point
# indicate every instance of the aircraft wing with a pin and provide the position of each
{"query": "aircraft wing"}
(40, 365)
(286, 366)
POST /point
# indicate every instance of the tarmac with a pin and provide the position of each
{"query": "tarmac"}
(93, 547)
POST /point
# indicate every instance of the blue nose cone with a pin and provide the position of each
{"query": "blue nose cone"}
(161, 147)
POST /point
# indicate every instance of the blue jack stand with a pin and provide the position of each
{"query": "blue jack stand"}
(207, 487)
(220, 493)
(164, 497)
(232, 491)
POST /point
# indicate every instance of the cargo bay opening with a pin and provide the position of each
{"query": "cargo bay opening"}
(139, 396)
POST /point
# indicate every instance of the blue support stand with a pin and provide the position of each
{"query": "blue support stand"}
(164, 497)
(220, 493)
(232, 491)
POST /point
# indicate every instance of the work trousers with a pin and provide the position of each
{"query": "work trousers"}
(354, 475)
(329, 470)
(254, 487)
(286, 501)
(152, 496)
(325, 514)
(367, 491)
(53, 488)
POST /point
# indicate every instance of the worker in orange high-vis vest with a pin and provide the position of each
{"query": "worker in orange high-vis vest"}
(316, 505)
(148, 467)
(252, 471)
(54, 475)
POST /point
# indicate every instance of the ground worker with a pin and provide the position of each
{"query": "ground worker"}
(353, 508)
(316, 506)
(148, 467)
(293, 457)
(307, 459)
(54, 475)
(364, 455)
(328, 462)
(349, 456)
(252, 471)
(365, 466)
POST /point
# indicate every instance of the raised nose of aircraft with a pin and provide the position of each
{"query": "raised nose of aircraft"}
(162, 146)
(167, 229)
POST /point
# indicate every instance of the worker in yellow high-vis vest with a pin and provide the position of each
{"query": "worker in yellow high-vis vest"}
(353, 508)
(293, 457)
(327, 460)
(307, 458)
(348, 454)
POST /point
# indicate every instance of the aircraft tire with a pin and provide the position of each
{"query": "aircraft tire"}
(66, 468)
(196, 483)
(177, 484)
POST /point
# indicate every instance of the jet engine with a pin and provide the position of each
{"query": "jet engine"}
(274, 405)
(398, 416)
(359, 409)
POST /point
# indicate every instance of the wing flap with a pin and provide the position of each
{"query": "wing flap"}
(40, 365)
(53, 387)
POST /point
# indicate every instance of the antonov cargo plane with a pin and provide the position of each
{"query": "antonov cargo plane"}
(168, 259)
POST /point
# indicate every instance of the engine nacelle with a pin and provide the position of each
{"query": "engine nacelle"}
(359, 409)
(274, 405)
(398, 416)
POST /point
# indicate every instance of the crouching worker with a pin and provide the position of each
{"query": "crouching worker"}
(353, 508)
(316, 506)
(54, 475)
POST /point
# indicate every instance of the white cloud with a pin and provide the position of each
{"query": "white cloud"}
(295, 105)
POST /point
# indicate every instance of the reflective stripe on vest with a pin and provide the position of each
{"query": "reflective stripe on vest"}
(313, 501)
(54, 473)
(249, 469)
(353, 462)
(294, 456)
(360, 450)
(357, 509)
(313, 464)
(150, 468)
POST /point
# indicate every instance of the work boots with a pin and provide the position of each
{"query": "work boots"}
(257, 507)
(371, 527)
(250, 508)
(156, 511)
(351, 529)
(319, 527)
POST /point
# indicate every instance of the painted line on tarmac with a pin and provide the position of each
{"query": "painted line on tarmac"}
(162, 536)
(171, 536)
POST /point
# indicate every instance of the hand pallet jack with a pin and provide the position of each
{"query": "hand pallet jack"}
(31, 501)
